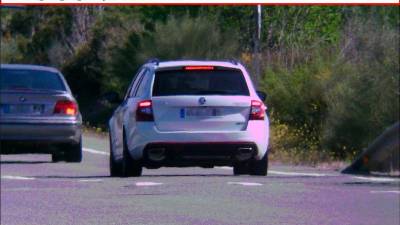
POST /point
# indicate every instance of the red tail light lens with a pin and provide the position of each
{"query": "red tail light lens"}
(257, 111)
(144, 111)
(199, 68)
(66, 107)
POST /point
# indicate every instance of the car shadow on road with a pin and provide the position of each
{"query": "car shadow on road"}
(188, 175)
(71, 177)
(144, 176)
(23, 162)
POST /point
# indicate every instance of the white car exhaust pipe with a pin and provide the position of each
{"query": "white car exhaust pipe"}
(244, 153)
(156, 154)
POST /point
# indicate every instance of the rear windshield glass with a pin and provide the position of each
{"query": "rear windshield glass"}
(19, 79)
(200, 82)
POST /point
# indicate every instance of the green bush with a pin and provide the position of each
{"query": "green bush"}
(337, 103)
(9, 51)
(188, 38)
(296, 97)
(363, 95)
(294, 145)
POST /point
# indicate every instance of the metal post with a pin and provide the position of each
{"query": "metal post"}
(257, 50)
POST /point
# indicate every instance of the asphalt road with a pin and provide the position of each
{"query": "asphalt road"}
(36, 191)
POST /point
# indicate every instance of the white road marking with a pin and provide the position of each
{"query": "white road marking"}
(297, 174)
(147, 184)
(384, 192)
(16, 177)
(224, 167)
(284, 173)
(245, 183)
(94, 151)
(376, 179)
(92, 180)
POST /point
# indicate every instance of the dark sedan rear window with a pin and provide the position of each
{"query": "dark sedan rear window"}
(21, 79)
(200, 82)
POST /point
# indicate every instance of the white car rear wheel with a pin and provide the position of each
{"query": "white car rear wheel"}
(259, 167)
(130, 167)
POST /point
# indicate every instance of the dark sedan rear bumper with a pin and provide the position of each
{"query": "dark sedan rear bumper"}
(41, 137)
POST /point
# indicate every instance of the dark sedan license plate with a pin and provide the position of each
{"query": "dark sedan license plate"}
(23, 109)
(201, 112)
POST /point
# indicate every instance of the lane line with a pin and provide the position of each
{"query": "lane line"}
(376, 179)
(245, 183)
(142, 184)
(297, 174)
(16, 177)
(384, 192)
(93, 180)
(275, 172)
(94, 151)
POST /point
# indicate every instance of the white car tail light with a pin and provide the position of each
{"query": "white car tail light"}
(257, 111)
(199, 68)
(144, 111)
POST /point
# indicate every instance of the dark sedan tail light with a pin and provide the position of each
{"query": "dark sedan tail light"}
(66, 107)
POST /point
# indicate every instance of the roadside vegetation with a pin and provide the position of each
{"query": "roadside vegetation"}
(331, 73)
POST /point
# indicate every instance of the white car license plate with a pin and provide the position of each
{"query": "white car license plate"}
(201, 112)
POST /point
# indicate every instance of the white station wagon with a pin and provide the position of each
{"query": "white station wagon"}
(190, 113)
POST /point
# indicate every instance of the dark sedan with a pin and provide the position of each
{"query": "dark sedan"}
(38, 113)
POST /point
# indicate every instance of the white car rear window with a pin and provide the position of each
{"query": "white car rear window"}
(200, 82)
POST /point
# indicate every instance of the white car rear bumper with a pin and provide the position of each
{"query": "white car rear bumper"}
(146, 133)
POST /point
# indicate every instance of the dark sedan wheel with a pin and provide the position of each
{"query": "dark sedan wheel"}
(74, 153)
(130, 167)
(259, 167)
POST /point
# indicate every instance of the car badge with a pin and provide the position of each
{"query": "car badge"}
(202, 101)
(22, 99)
